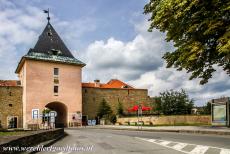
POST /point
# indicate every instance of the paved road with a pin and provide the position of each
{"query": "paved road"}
(100, 141)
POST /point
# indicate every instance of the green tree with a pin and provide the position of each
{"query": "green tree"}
(120, 110)
(46, 111)
(157, 105)
(200, 30)
(206, 109)
(175, 103)
(104, 110)
(113, 118)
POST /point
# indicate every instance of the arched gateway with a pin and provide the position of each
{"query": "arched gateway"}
(62, 113)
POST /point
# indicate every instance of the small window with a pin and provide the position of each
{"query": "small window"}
(49, 34)
(35, 113)
(18, 83)
(56, 71)
(56, 81)
(54, 51)
(10, 105)
(55, 89)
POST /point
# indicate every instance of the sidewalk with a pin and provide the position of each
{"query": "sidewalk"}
(178, 129)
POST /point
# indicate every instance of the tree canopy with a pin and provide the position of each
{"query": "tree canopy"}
(206, 109)
(104, 110)
(174, 103)
(200, 30)
(120, 110)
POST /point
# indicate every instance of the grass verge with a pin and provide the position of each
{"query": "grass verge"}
(14, 133)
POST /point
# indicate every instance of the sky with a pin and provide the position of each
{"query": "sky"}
(109, 36)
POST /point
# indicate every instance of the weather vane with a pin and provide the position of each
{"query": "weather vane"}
(48, 12)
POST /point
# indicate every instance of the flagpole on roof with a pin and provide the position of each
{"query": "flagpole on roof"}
(48, 12)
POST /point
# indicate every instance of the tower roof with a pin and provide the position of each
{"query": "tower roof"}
(49, 42)
(50, 47)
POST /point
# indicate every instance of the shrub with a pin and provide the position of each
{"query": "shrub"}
(120, 110)
(113, 118)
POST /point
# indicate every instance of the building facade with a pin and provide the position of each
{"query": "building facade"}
(114, 92)
(50, 78)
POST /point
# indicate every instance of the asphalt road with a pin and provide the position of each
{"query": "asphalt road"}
(101, 141)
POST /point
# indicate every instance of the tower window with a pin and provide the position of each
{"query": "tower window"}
(56, 81)
(55, 89)
(56, 71)
(54, 51)
(49, 33)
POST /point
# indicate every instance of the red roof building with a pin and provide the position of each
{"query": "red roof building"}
(113, 83)
(10, 83)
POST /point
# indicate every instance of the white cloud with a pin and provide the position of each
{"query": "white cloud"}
(20, 28)
(165, 79)
(124, 60)
(139, 62)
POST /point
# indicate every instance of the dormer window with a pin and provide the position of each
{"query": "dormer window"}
(55, 52)
(125, 86)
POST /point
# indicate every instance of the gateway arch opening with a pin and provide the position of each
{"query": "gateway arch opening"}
(61, 109)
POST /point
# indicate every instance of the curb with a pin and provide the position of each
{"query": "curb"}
(169, 130)
(50, 142)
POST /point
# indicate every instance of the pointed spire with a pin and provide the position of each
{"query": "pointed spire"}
(49, 42)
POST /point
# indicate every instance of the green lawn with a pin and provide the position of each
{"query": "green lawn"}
(12, 133)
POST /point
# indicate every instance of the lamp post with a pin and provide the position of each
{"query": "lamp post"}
(139, 114)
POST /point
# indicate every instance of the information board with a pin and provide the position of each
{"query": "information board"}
(219, 113)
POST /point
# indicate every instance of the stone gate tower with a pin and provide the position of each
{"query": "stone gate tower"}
(51, 78)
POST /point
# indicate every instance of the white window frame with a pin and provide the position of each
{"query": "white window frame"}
(58, 72)
(33, 115)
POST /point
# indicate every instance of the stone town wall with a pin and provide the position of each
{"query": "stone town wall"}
(92, 98)
(10, 104)
(170, 120)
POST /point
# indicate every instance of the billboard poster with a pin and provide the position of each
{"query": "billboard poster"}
(219, 113)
